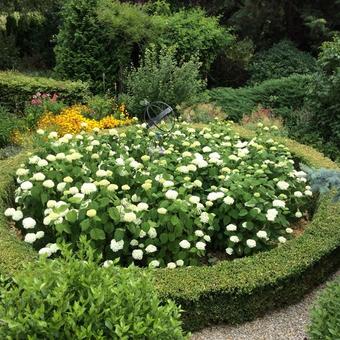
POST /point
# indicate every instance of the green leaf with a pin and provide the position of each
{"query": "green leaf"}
(72, 216)
(97, 234)
(85, 224)
(114, 214)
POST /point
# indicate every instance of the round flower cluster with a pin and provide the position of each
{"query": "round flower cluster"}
(160, 203)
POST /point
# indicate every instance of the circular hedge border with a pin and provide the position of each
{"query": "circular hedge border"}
(230, 291)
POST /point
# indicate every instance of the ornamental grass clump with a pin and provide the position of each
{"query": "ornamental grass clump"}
(74, 297)
(160, 203)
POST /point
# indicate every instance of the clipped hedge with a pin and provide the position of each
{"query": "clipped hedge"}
(16, 89)
(282, 95)
(230, 291)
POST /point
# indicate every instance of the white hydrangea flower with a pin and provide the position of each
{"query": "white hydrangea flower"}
(125, 187)
(180, 263)
(9, 212)
(27, 185)
(51, 204)
(200, 245)
(289, 230)
(73, 190)
(262, 234)
(308, 193)
(171, 265)
(112, 187)
(184, 244)
(204, 217)
(282, 239)
(162, 211)
(298, 194)
(282, 185)
(17, 215)
(88, 188)
(40, 234)
(194, 199)
(91, 213)
(30, 238)
(234, 239)
(154, 264)
(271, 214)
(197, 183)
(42, 162)
(228, 200)
(22, 172)
(48, 184)
(207, 238)
(116, 245)
(134, 243)
(199, 233)
(231, 227)
(45, 252)
(279, 204)
(61, 186)
(251, 243)
(171, 194)
(120, 161)
(129, 217)
(107, 263)
(229, 251)
(29, 223)
(101, 173)
(213, 196)
(298, 214)
(151, 248)
(168, 184)
(68, 179)
(137, 254)
(152, 232)
(142, 206)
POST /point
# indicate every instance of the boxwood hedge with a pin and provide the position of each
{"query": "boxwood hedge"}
(230, 291)
(17, 88)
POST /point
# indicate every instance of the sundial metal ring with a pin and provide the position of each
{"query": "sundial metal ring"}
(159, 115)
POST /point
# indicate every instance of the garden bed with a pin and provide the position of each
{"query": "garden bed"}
(230, 291)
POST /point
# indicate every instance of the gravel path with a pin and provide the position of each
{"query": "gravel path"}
(286, 324)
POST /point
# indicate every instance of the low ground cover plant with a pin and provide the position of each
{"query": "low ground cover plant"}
(157, 202)
(325, 314)
(75, 297)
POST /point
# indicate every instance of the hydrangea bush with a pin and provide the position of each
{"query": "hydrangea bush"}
(160, 202)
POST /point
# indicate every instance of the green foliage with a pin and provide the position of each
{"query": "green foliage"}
(9, 123)
(281, 60)
(323, 99)
(75, 297)
(16, 89)
(96, 40)
(161, 78)
(9, 53)
(325, 314)
(281, 95)
(194, 34)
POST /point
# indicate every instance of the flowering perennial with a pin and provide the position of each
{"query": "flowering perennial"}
(159, 205)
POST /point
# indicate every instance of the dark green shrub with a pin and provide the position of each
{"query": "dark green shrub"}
(194, 34)
(281, 60)
(281, 95)
(76, 297)
(325, 315)
(16, 89)
(97, 39)
(161, 78)
(323, 99)
(9, 56)
(9, 123)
